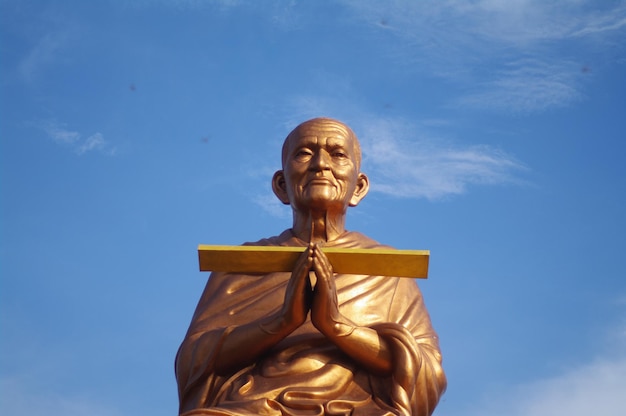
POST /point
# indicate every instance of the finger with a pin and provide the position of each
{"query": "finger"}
(322, 268)
(303, 264)
(325, 286)
(323, 259)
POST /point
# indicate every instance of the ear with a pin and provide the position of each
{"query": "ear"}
(280, 187)
(362, 186)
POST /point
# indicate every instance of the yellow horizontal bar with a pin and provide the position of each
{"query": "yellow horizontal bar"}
(267, 259)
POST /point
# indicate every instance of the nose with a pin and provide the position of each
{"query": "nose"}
(320, 161)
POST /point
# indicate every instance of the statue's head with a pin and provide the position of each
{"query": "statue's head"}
(321, 161)
(327, 125)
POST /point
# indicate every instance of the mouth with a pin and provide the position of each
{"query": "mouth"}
(319, 181)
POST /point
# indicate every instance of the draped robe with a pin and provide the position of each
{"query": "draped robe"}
(305, 373)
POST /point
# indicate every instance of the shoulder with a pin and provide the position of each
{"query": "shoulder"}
(355, 239)
(286, 238)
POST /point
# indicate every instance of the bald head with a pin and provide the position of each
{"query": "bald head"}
(322, 126)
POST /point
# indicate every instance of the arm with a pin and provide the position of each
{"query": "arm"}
(218, 344)
(247, 342)
(406, 347)
(363, 344)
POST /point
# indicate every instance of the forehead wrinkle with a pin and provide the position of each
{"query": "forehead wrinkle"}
(327, 128)
(321, 140)
(349, 143)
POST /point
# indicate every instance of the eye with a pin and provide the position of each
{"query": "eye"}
(302, 154)
(339, 154)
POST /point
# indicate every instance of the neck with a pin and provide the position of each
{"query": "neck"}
(317, 226)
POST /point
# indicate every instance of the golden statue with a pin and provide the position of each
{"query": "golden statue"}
(312, 342)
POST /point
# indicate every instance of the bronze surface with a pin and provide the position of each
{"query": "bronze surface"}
(316, 320)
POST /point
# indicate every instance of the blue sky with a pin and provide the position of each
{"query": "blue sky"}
(492, 132)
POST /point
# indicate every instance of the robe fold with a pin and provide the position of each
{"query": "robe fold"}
(305, 373)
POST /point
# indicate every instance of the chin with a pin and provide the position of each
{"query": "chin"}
(322, 204)
(320, 200)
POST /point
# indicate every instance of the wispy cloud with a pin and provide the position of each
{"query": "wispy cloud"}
(525, 86)
(403, 158)
(187, 4)
(264, 197)
(402, 163)
(595, 387)
(524, 43)
(507, 22)
(270, 204)
(591, 386)
(43, 53)
(73, 139)
(93, 142)
(600, 23)
(60, 134)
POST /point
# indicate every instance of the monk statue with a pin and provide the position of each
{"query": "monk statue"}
(312, 342)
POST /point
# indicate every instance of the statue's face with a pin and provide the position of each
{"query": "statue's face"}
(321, 169)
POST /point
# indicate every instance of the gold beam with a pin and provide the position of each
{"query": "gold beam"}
(267, 259)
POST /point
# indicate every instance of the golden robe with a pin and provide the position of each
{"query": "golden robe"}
(306, 374)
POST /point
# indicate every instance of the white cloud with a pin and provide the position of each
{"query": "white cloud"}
(305, 107)
(511, 22)
(73, 139)
(595, 388)
(93, 142)
(187, 4)
(527, 44)
(402, 164)
(270, 204)
(402, 159)
(42, 54)
(599, 23)
(591, 387)
(527, 85)
(60, 134)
